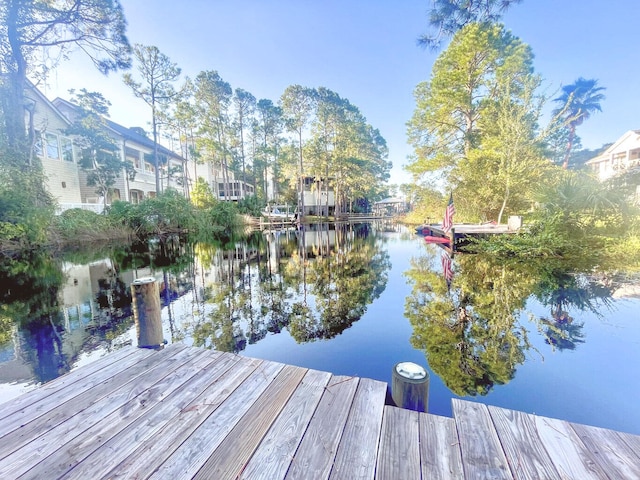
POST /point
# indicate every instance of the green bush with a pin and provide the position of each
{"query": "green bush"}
(78, 225)
(250, 206)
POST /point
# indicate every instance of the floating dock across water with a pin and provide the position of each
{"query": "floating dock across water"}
(185, 412)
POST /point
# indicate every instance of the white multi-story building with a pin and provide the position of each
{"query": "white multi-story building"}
(622, 156)
(138, 149)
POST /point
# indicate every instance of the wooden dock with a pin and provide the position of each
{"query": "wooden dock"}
(192, 413)
(461, 232)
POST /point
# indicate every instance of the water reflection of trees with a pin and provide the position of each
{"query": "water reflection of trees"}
(54, 308)
(315, 282)
(472, 334)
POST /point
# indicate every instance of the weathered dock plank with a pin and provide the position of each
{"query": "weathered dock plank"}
(569, 455)
(611, 453)
(273, 456)
(231, 456)
(439, 448)
(50, 417)
(482, 454)
(522, 446)
(189, 457)
(194, 413)
(52, 388)
(103, 445)
(170, 431)
(319, 445)
(357, 452)
(398, 452)
(61, 445)
(59, 396)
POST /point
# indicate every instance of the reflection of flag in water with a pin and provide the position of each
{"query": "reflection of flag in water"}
(447, 222)
(447, 270)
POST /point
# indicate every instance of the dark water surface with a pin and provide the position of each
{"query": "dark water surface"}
(539, 336)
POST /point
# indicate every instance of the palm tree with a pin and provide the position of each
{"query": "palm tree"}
(577, 102)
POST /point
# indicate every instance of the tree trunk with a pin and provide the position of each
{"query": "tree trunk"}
(301, 175)
(572, 133)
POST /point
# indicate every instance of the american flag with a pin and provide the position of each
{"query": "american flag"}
(447, 222)
(447, 270)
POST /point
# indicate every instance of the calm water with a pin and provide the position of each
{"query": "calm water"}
(541, 337)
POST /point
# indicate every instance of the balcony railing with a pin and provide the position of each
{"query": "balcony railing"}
(94, 207)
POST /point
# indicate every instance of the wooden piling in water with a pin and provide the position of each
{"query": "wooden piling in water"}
(147, 312)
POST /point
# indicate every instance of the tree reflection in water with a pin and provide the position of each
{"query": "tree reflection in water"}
(472, 335)
(314, 282)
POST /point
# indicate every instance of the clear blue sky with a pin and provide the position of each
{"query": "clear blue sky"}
(366, 51)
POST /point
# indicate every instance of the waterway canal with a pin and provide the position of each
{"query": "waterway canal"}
(539, 336)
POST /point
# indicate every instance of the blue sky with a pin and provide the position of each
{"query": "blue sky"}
(366, 51)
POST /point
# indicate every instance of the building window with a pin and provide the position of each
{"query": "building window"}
(151, 194)
(67, 149)
(51, 141)
(148, 167)
(132, 155)
(136, 196)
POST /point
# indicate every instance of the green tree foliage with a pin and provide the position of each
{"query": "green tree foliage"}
(267, 133)
(245, 104)
(470, 335)
(99, 152)
(26, 27)
(157, 74)
(576, 104)
(476, 121)
(212, 98)
(297, 106)
(345, 151)
(201, 194)
(447, 17)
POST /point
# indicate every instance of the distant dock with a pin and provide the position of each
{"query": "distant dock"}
(461, 232)
(186, 412)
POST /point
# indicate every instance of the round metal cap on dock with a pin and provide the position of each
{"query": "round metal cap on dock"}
(410, 386)
(411, 371)
(143, 280)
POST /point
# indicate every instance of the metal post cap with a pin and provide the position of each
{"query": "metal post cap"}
(143, 281)
(411, 370)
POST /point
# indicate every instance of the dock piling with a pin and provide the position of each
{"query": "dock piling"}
(410, 386)
(147, 312)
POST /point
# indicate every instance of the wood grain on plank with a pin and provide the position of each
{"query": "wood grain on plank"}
(48, 403)
(569, 455)
(59, 448)
(274, 454)
(147, 455)
(608, 449)
(193, 453)
(63, 382)
(439, 448)
(482, 454)
(142, 420)
(357, 452)
(398, 453)
(633, 441)
(229, 459)
(38, 419)
(319, 445)
(518, 435)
